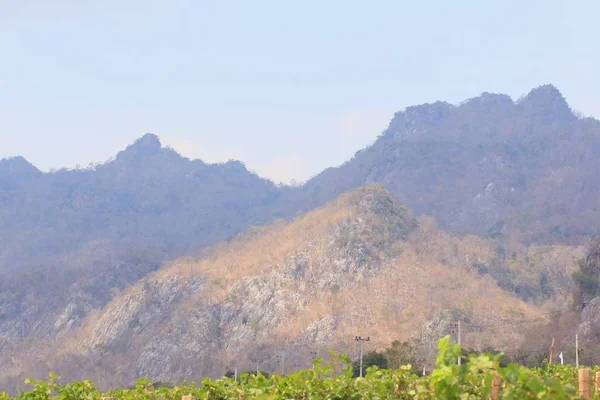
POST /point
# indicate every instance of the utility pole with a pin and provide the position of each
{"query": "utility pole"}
(576, 351)
(459, 358)
(255, 360)
(361, 340)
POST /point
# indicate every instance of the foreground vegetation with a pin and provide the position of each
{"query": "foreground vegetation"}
(334, 380)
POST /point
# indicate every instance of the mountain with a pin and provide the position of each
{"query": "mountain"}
(147, 197)
(16, 170)
(512, 185)
(489, 166)
(71, 238)
(361, 265)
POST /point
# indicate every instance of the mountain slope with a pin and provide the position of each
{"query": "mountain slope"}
(521, 175)
(360, 265)
(70, 239)
(488, 166)
(147, 197)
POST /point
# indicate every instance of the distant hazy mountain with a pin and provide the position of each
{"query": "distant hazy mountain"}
(488, 166)
(148, 197)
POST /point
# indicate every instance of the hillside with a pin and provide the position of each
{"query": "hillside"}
(512, 185)
(489, 166)
(70, 238)
(147, 198)
(362, 265)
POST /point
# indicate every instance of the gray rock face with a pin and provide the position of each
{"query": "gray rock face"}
(590, 320)
(441, 159)
(289, 291)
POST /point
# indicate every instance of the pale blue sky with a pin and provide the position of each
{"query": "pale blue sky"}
(289, 88)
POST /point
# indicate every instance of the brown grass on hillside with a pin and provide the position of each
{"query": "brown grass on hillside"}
(433, 274)
(417, 290)
(430, 276)
(251, 254)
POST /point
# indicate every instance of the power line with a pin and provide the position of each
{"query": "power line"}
(539, 318)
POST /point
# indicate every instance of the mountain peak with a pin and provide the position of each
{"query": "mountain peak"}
(418, 117)
(429, 112)
(546, 100)
(546, 90)
(147, 146)
(17, 166)
(487, 100)
(374, 200)
(148, 143)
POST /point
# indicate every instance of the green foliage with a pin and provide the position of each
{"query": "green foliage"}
(403, 353)
(587, 283)
(372, 358)
(503, 360)
(334, 380)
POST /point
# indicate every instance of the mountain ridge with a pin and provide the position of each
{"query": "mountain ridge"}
(546, 97)
(362, 262)
(430, 151)
(512, 186)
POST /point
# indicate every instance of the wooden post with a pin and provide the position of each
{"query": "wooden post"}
(108, 398)
(551, 352)
(188, 398)
(496, 388)
(585, 377)
(597, 382)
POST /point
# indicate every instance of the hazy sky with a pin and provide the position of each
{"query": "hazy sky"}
(289, 88)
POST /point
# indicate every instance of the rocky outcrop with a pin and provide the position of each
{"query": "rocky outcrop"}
(587, 296)
(290, 290)
(489, 166)
(169, 324)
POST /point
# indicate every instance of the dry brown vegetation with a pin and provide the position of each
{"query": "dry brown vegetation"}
(409, 280)
(88, 243)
